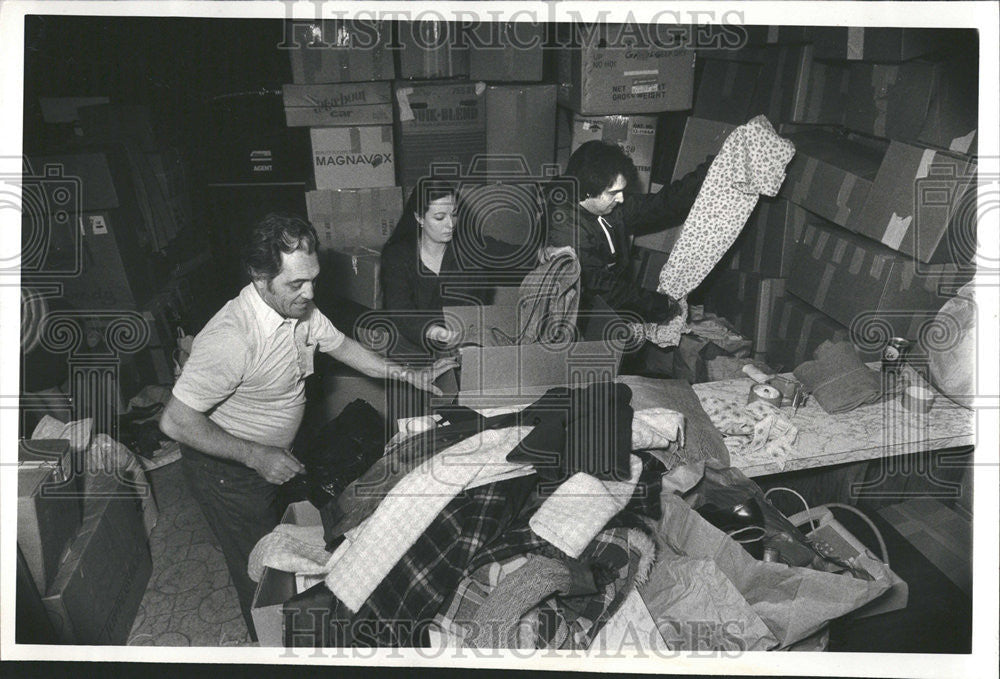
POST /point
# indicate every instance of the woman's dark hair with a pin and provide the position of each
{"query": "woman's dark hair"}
(596, 164)
(274, 234)
(428, 190)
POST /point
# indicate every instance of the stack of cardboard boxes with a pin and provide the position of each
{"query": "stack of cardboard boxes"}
(871, 231)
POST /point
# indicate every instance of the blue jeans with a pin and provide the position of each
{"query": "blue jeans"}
(240, 507)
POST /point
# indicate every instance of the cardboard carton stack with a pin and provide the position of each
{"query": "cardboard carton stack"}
(873, 226)
(612, 89)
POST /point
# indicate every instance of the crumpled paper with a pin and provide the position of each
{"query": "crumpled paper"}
(755, 428)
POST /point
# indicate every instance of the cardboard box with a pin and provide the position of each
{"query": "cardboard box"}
(252, 144)
(702, 138)
(855, 280)
(354, 274)
(336, 51)
(889, 100)
(276, 587)
(353, 157)
(432, 49)
(952, 118)
(794, 332)
(771, 290)
(856, 43)
(49, 506)
(355, 217)
(439, 123)
(102, 580)
(635, 134)
(507, 51)
(767, 244)
(830, 174)
(726, 90)
(783, 84)
(520, 122)
(615, 79)
(337, 105)
(530, 369)
(920, 204)
(648, 262)
(733, 295)
(822, 94)
(342, 385)
(505, 211)
(109, 247)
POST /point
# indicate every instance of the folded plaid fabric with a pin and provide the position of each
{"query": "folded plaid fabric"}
(410, 508)
(408, 598)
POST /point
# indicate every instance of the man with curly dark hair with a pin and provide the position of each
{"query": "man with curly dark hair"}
(240, 398)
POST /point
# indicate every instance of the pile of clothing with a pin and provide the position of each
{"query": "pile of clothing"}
(526, 528)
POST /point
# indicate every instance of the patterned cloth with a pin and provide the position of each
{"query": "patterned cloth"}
(413, 591)
(752, 428)
(622, 557)
(358, 566)
(752, 162)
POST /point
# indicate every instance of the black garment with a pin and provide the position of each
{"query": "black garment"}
(413, 295)
(587, 429)
(240, 507)
(609, 274)
(341, 451)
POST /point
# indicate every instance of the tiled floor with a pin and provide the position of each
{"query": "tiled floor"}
(190, 599)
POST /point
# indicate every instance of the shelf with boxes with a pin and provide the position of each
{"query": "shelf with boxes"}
(875, 223)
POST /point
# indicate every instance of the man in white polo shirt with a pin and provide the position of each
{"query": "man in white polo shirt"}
(239, 401)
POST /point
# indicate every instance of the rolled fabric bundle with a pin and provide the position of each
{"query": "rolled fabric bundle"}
(837, 379)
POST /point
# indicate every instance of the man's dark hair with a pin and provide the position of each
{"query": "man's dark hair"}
(596, 164)
(276, 233)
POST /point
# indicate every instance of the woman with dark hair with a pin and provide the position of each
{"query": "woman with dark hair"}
(436, 257)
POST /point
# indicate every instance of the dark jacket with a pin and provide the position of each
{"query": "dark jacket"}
(414, 296)
(606, 274)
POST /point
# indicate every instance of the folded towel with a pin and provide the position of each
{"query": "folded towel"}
(296, 549)
(837, 379)
(580, 507)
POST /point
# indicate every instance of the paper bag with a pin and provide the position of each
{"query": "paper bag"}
(707, 593)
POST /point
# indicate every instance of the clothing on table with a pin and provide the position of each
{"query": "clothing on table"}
(586, 429)
(248, 366)
(414, 296)
(752, 162)
(240, 508)
(837, 379)
(399, 610)
(604, 252)
(500, 604)
(291, 548)
(579, 508)
(338, 453)
(360, 565)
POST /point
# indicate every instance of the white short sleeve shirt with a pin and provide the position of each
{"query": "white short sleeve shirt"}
(248, 367)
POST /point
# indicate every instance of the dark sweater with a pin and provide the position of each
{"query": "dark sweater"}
(606, 274)
(414, 295)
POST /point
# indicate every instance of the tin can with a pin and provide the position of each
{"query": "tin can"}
(894, 353)
(770, 554)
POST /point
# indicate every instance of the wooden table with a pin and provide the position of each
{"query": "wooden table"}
(883, 429)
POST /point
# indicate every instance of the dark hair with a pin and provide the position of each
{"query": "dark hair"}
(428, 190)
(596, 164)
(274, 234)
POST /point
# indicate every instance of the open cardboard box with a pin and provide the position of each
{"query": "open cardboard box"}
(518, 372)
(276, 587)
